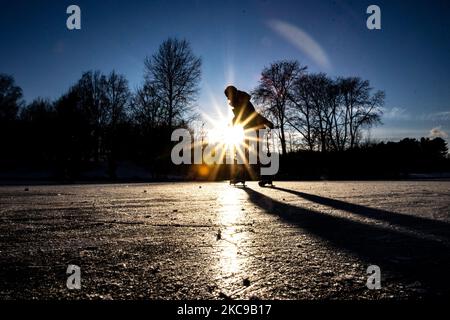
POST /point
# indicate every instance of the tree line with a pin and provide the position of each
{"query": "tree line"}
(328, 114)
(100, 119)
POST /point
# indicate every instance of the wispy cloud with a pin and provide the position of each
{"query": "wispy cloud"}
(302, 41)
(436, 116)
(438, 132)
(396, 113)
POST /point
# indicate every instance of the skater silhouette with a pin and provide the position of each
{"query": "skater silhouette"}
(246, 116)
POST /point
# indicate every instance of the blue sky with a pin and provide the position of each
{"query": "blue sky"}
(408, 58)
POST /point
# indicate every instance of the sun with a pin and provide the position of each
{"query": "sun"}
(227, 135)
(223, 133)
(234, 135)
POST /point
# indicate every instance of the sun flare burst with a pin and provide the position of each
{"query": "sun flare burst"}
(231, 140)
(227, 135)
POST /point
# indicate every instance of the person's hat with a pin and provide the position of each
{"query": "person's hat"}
(230, 91)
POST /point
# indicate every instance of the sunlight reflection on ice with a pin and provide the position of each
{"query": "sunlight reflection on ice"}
(232, 237)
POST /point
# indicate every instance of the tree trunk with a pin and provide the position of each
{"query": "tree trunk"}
(283, 140)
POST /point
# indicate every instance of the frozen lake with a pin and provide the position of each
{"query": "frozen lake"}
(300, 240)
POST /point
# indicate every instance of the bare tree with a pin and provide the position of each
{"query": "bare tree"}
(10, 98)
(317, 90)
(37, 111)
(102, 101)
(273, 91)
(90, 95)
(330, 114)
(39, 125)
(174, 73)
(147, 109)
(116, 99)
(362, 109)
(300, 115)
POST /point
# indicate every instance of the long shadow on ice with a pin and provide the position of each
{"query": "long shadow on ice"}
(434, 227)
(404, 255)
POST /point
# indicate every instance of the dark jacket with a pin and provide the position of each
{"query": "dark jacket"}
(244, 111)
